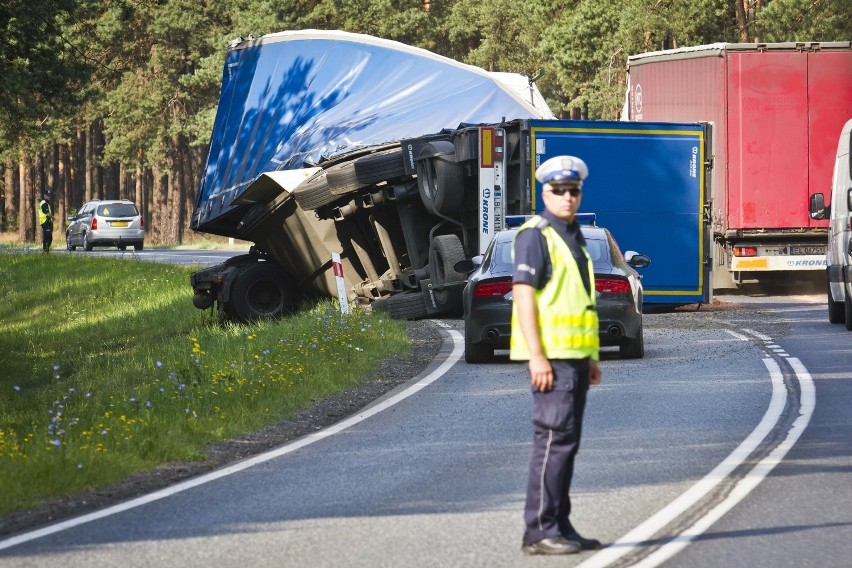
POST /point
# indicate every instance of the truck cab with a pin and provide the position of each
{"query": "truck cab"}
(839, 250)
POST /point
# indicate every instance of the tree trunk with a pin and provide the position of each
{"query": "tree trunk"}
(160, 213)
(741, 9)
(10, 192)
(89, 167)
(26, 219)
(139, 192)
(78, 168)
(61, 188)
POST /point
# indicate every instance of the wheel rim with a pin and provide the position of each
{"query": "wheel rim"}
(265, 298)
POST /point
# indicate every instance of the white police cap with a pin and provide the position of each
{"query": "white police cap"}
(562, 169)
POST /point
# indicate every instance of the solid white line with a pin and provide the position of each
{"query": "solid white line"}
(455, 355)
(634, 539)
(751, 480)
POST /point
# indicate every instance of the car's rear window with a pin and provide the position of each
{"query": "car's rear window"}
(597, 249)
(503, 254)
(117, 210)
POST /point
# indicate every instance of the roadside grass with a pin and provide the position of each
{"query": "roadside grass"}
(107, 369)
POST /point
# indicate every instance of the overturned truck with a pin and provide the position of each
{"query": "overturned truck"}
(330, 142)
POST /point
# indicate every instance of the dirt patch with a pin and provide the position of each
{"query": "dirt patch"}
(425, 345)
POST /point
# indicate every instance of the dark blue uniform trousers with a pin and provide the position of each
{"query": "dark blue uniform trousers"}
(558, 420)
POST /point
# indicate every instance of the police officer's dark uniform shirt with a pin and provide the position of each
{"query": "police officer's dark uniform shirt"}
(532, 261)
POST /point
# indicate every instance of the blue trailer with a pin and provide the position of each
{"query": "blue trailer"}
(647, 185)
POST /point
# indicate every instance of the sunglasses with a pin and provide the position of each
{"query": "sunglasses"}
(560, 191)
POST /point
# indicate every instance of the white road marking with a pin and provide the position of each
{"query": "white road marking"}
(751, 480)
(455, 355)
(739, 336)
(635, 539)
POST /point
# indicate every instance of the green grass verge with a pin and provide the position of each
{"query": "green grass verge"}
(107, 369)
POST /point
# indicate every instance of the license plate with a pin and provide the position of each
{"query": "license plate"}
(120, 223)
(815, 249)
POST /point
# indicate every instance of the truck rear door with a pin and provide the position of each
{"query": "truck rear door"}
(647, 185)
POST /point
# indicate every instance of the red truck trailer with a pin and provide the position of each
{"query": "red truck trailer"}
(777, 111)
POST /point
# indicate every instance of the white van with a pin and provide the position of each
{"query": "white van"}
(839, 252)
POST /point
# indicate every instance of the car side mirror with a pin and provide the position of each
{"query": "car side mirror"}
(849, 199)
(72, 217)
(636, 260)
(817, 208)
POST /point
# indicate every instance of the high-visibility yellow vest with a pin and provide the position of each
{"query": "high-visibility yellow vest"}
(567, 317)
(42, 216)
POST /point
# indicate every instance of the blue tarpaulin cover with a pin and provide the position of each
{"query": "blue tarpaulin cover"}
(295, 99)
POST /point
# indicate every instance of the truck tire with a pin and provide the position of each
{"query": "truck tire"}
(447, 250)
(407, 305)
(633, 348)
(440, 179)
(835, 309)
(314, 192)
(381, 166)
(263, 291)
(342, 179)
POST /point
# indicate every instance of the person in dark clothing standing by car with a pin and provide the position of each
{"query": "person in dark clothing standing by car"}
(45, 220)
(555, 329)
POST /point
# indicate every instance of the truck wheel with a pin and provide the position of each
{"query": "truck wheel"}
(342, 179)
(408, 305)
(447, 250)
(262, 291)
(314, 192)
(381, 166)
(477, 353)
(440, 179)
(836, 309)
(633, 348)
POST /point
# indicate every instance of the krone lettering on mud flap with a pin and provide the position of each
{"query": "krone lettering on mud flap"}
(486, 197)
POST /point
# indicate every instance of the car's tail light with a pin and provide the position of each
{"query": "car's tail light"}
(491, 288)
(612, 285)
(95, 224)
(142, 222)
(745, 251)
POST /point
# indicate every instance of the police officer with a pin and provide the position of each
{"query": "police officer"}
(45, 220)
(555, 329)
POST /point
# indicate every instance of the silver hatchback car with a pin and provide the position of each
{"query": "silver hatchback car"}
(115, 222)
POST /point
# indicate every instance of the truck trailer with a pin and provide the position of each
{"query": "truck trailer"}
(319, 149)
(777, 110)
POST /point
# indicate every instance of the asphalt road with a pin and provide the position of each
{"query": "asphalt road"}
(188, 257)
(729, 444)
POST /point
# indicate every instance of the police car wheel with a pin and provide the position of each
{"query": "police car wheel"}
(848, 305)
(835, 309)
(633, 348)
(477, 353)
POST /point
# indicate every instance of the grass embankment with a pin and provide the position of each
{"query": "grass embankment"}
(107, 369)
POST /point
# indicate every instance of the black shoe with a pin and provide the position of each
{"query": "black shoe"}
(585, 543)
(556, 545)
